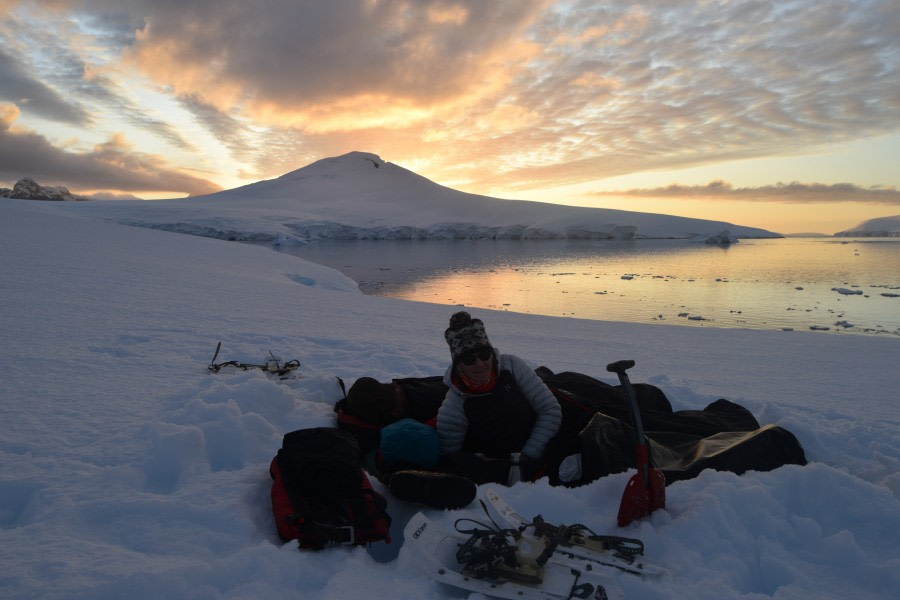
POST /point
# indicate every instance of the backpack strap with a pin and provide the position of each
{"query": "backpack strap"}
(327, 525)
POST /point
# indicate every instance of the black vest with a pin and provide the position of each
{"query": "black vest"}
(500, 421)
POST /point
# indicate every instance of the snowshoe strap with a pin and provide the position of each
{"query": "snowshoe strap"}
(580, 535)
(622, 547)
(490, 554)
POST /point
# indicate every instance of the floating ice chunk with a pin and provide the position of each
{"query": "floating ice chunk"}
(721, 238)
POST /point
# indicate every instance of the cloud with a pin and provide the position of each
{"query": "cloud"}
(795, 192)
(58, 84)
(484, 95)
(17, 85)
(230, 131)
(623, 88)
(111, 165)
(314, 59)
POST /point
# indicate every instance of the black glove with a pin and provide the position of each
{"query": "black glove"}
(532, 469)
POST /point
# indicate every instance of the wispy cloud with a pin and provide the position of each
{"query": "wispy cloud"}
(110, 165)
(26, 78)
(17, 85)
(795, 192)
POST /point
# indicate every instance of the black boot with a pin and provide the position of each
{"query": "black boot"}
(437, 490)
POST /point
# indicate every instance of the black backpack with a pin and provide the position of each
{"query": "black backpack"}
(320, 493)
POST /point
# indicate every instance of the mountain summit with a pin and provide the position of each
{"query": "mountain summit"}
(360, 196)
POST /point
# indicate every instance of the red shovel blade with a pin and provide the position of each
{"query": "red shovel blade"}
(657, 490)
(635, 501)
(638, 500)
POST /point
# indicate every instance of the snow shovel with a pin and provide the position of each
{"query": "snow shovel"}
(646, 490)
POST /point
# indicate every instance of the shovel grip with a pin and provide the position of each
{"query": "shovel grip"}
(620, 366)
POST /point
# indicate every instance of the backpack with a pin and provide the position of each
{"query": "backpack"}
(320, 493)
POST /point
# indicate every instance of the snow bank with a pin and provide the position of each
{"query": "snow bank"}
(128, 470)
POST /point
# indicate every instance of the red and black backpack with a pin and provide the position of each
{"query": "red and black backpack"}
(320, 493)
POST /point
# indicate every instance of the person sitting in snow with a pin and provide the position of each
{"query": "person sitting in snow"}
(495, 406)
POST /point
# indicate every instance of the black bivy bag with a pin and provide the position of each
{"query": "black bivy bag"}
(320, 493)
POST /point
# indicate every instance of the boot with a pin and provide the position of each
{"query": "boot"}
(436, 490)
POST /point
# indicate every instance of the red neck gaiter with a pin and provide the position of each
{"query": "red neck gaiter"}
(475, 388)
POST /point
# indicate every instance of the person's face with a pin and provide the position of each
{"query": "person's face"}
(477, 365)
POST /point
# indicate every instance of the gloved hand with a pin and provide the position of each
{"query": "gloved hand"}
(532, 468)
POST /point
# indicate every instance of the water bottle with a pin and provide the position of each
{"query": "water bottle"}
(515, 471)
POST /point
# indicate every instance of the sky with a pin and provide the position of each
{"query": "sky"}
(783, 115)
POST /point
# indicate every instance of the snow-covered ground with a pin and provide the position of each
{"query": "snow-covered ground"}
(128, 470)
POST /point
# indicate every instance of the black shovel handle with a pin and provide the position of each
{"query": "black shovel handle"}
(619, 367)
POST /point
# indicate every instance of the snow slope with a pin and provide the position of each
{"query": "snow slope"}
(359, 196)
(127, 470)
(882, 227)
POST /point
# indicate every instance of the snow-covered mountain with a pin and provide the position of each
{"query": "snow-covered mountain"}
(882, 227)
(28, 189)
(360, 196)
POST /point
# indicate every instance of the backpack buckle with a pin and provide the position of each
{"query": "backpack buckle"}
(344, 535)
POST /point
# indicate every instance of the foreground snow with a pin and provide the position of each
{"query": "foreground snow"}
(126, 470)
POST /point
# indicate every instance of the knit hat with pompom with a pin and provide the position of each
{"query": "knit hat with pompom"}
(465, 334)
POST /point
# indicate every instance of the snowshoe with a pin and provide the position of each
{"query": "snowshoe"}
(503, 564)
(577, 541)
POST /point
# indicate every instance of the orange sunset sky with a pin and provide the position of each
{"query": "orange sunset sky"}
(782, 114)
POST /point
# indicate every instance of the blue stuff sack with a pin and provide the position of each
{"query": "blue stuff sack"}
(409, 441)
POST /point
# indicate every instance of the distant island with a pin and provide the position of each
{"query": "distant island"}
(881, 227)
(28, 189)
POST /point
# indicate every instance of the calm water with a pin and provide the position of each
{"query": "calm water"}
(848, 286)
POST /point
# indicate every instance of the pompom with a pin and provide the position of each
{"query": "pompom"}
(460, 320)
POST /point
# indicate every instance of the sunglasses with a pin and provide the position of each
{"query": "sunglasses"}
(469, 358)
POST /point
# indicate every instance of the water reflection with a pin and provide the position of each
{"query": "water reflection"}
(843, 285)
